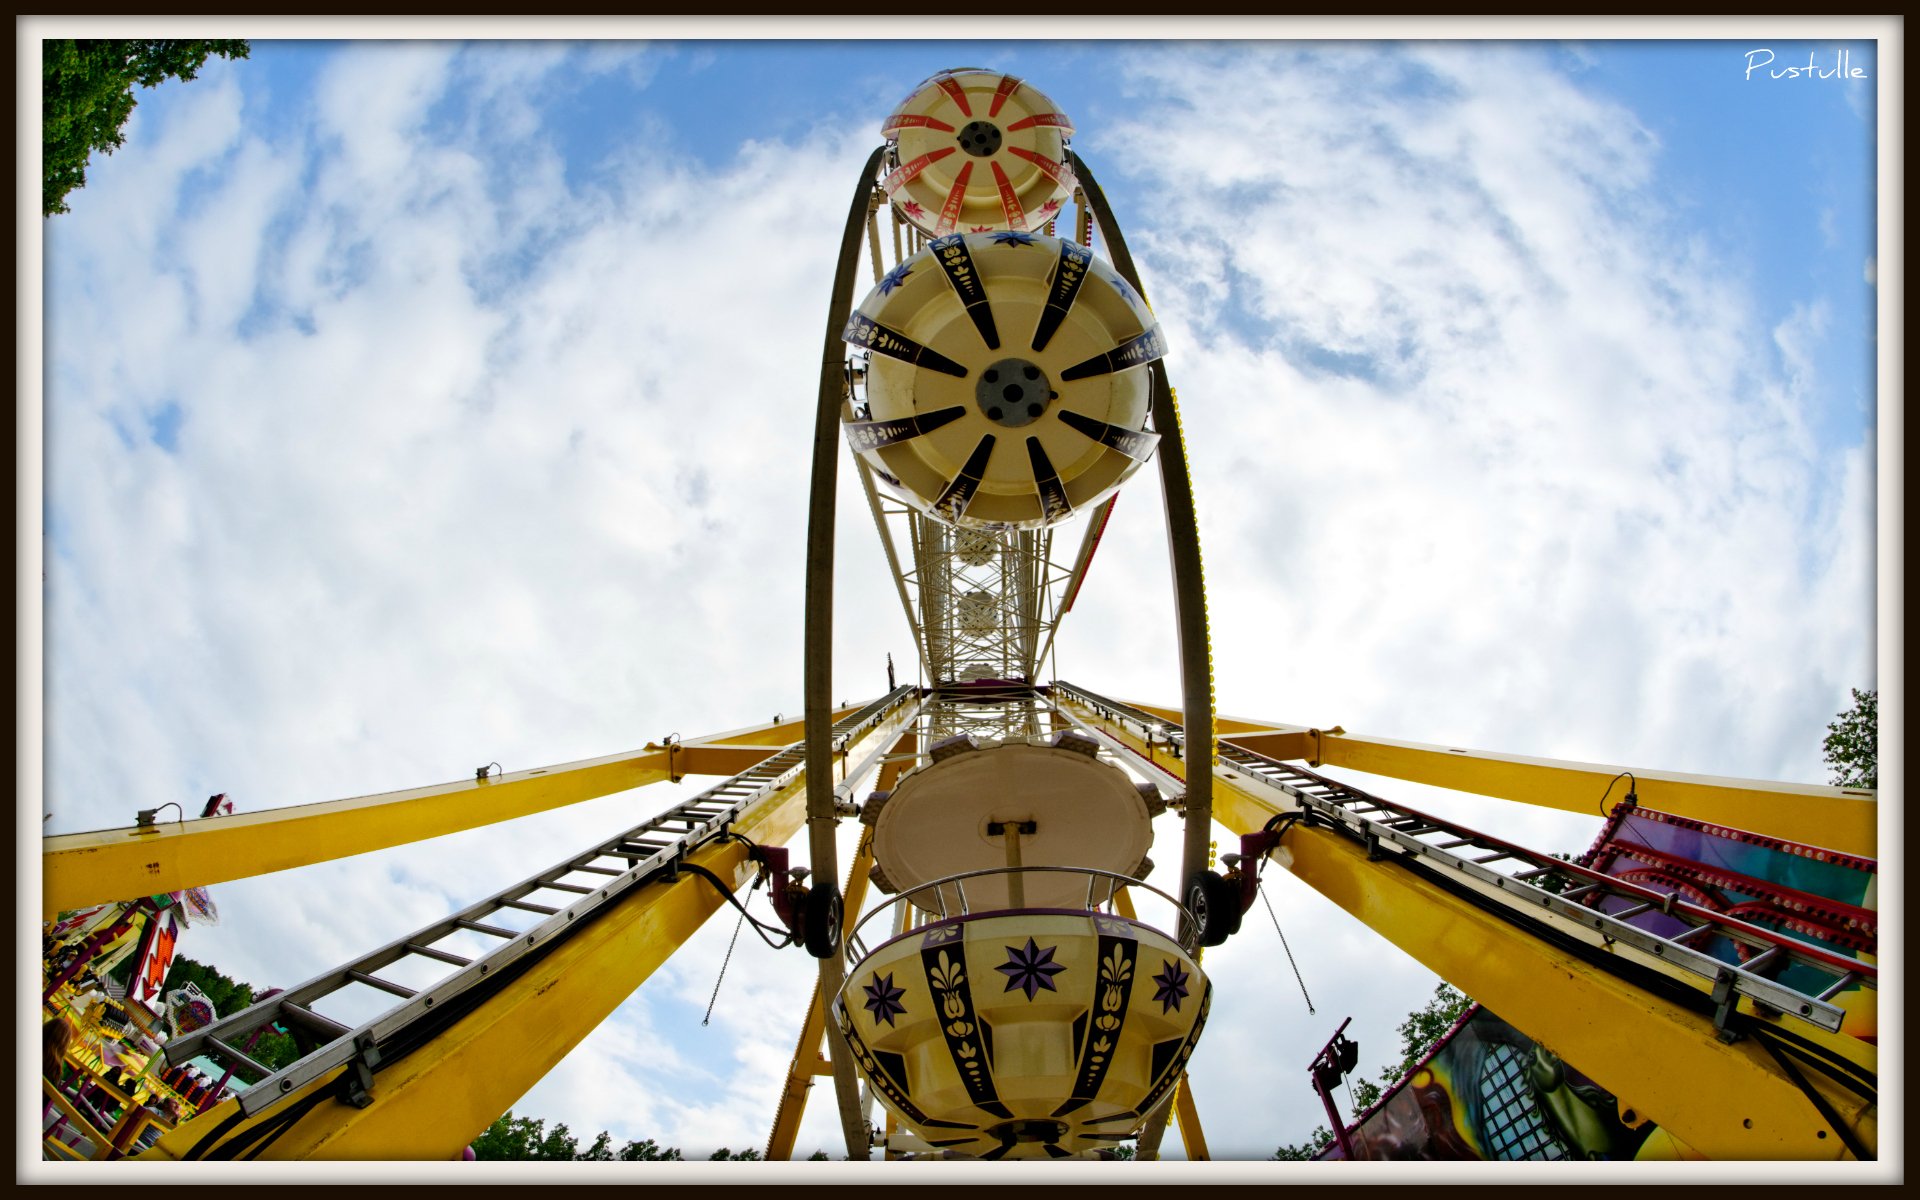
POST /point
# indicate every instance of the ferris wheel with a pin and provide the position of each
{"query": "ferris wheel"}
(996, 976)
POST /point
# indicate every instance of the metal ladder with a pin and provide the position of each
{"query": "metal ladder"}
(596, 877)
(1527, 881)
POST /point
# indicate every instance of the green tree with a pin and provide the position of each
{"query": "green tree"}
(558, 1146)
(274, 1048)
(510, 1138)
(88, 95)
(1305, 1151)
(1422, 1029)
(600, 1151)
(648, 1150)
(725, 1155)
(521, 1138)
(1853, 743)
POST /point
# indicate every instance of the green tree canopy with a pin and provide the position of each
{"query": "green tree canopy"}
(1853, 743)
(89, 95)
(274, 1048)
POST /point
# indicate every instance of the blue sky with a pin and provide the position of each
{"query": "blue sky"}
(409, 406)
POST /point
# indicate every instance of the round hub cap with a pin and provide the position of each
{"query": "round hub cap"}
(1013, 392)
(980, 139)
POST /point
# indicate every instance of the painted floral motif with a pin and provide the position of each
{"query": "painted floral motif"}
(912, 209)
(1030, 969)
(894, 278)
(941, 933)
(1173, 986)
(1050, 207)
(948, 975)
(1012, 237)
(980, 229)
(883, 999)
(1114, 926)
(1115, 971)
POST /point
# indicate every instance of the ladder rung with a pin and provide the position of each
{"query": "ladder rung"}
(236, 1056)
(1523, 876)
(1839, 985)
(495, 930)
(1681, 939)
(306, 1017)
(575, 888)
(542, 909)
(1494, 857)
(599, 870)
(1578, 892)
(1636, 910)
(435, 952)
(1454, 843)
(1756, 965)
(385, 985)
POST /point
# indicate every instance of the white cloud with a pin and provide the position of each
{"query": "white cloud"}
(480, 461)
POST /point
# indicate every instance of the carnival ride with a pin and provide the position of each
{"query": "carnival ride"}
(1007, 999)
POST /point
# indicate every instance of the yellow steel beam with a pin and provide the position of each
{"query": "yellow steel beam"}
(1228, 726)
(1844, 819)
(718, 758)
(1191, 1136)
(435, 1101)
(780, 732)
(1726, 1101)
(119, 864)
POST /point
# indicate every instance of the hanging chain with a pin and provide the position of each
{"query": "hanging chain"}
(1288, 949)
(729, 958)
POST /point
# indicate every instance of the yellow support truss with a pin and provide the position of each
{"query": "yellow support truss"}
(1844, 819)
(115, 864)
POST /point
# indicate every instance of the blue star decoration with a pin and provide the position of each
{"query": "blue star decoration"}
(894, 278)
(883, 999)
(1030, 969)
(1173, 986)
(1012, 237)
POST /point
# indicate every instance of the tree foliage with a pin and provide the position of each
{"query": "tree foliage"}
(524, 1138)
(648, 1150)
(1852, 745)
(88, 97)
(274, 1048)
(1305, 1151)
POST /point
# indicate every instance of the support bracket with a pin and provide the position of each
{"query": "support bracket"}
(359, 1072)
(1725, 1002)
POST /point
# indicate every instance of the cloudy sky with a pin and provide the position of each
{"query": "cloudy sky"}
(415, 405)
